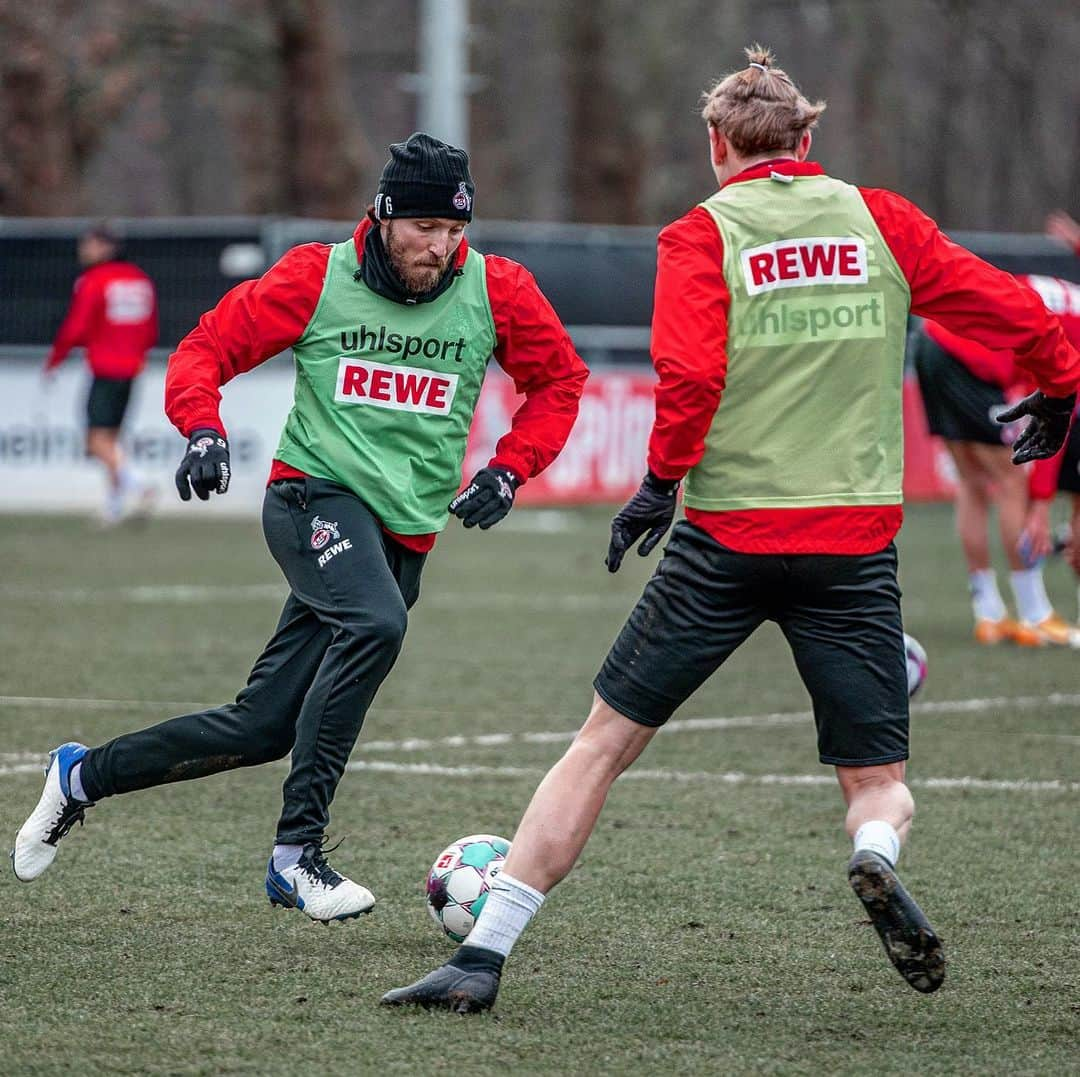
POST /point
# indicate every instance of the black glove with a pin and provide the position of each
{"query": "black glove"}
(487, 499)
(205, 465)
(1048, 429)
(651, 509)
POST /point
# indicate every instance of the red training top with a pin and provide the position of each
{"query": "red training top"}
(1063, 298)
(689, 350)
(113, 315)
(258, 319)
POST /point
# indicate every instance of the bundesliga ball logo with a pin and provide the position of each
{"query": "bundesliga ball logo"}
(460, 879)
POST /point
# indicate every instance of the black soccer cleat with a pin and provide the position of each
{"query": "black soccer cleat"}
(467, 984)
(906, 934)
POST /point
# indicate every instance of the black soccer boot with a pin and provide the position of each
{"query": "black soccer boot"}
(905, 932)
(467, 983)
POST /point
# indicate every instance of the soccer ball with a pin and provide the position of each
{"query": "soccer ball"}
(457, 885)
(916, 664)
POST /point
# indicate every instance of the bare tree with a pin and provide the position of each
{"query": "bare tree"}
(60, 92)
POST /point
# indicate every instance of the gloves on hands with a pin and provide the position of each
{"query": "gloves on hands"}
(205, 466)
(650, 510)
(1049, 426)
(487, 499)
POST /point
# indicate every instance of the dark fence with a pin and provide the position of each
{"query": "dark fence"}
(599, 279)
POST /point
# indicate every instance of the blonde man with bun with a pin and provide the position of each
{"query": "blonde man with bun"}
(778, 336)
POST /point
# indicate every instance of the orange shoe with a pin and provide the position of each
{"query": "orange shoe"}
(1053, 631)
(989, 632)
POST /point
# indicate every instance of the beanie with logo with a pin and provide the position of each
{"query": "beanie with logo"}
(425, 177)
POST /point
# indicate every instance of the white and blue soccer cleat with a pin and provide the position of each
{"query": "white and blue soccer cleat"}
(312, 886)
(56, 813)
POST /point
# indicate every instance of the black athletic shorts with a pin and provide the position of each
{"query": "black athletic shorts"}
(959, 406)
(840, 615)
(108, 401)
(1069, 476)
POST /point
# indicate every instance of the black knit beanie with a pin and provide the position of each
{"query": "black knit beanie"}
(425, 178)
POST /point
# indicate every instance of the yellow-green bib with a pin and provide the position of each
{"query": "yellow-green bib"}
(812, 408)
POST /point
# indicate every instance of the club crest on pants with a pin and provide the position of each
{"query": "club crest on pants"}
(322, 531)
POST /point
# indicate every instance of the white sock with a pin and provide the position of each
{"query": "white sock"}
(75, 783)
(114, 505)
(286, 856)
(986, 599)
(1030, 593)
(127, 481)
(879, 837)
(509, 907)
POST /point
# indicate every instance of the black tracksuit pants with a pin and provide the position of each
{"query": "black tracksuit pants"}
(337, 639)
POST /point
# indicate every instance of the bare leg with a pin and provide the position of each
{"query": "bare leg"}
(879, 793)
(972, 505)
(876, 793)
(564, 809)
(103, 443)
(1010, 494)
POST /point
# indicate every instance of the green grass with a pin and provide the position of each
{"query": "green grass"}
(708, 928)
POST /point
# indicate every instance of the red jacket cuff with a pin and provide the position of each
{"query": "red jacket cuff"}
(512, 464)
(207, 423)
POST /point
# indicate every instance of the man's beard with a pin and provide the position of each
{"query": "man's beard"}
(417, 279)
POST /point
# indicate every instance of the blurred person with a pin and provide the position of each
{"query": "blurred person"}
(778, 335)
(1063, 227)
(964, 386)
(1060, 473)
(391, 332)
(113, 316)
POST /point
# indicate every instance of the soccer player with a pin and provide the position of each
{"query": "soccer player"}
(1060, 473)
(113, 315)
(963, 386)
(391, 332)
(1062, 227)
(778, 335)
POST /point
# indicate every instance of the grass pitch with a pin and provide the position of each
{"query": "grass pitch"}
(708, 928)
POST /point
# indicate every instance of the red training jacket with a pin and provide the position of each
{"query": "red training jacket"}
(689, 350)
(1063, 298)
(258, 319)
(113, 315)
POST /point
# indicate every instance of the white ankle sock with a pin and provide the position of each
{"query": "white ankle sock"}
(986, 600)
(1029, 591)
(285, 856)
(75, 783)
(879, 837)
(509, 907)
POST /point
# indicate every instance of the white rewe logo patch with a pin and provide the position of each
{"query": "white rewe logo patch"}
(399, 388)
(799, 263)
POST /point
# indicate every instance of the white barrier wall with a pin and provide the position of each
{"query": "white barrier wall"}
(42, 435)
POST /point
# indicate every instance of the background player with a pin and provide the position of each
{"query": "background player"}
(778, 335)
(1061, 473)
(964, 385)
(391, 332)
(113, 315)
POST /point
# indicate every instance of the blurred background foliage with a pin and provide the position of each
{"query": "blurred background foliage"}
(578, 111)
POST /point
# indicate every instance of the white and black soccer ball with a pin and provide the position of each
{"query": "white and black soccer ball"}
(916, 664)
(457, 885)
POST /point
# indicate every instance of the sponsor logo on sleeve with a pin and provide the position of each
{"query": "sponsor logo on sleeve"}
(397, 388)
(800, 263)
